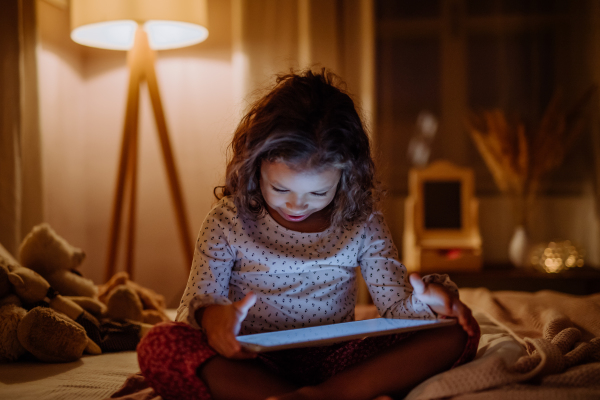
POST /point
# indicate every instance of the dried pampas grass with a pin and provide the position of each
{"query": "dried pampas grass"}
(518, 161)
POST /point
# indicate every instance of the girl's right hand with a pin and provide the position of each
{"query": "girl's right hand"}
(222, 323)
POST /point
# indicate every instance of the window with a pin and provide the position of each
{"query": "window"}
(449, 57)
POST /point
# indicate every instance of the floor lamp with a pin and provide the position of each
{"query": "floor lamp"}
(140, 27)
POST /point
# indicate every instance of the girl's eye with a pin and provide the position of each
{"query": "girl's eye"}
(319, 194)
(279, 190)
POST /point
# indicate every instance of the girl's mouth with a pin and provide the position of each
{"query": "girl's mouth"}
(294, 218)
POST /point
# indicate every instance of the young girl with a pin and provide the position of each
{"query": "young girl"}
(280, 251)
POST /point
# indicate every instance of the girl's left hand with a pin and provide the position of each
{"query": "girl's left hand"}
(443, 302)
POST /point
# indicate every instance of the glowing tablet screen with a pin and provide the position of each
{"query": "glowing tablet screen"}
(328, 334)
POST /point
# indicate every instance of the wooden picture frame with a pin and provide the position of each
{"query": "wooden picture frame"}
(441, 220)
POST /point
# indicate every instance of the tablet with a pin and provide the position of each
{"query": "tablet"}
(329, 334)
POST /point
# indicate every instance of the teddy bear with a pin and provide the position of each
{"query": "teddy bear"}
(123, 313)
(51, 256)
(44, 332)
(62, 316)
(11, 313)
(110, 317)
(127, 300)
(10, 347)
(52, 337)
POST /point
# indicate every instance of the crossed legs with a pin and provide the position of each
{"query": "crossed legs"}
(392, 372)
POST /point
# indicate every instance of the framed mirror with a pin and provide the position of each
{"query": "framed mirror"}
(441, 230)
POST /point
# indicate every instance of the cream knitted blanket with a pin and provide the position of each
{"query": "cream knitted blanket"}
(561, 334)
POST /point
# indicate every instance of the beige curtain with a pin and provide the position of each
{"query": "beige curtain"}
(20, 164)
(272, 36)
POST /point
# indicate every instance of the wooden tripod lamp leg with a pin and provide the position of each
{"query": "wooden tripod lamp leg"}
(127, 169)
(141, 65)
(184, 230)
(132, 173)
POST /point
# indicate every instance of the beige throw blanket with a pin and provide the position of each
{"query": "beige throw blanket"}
(561, 334)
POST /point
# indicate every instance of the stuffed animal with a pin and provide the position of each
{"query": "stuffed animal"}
(10, 347)
(127, 300)
(51, 256)
(65, 322)
(44, 332)
(52, 337)
(5, 260)
(11, 314)
(32, 288)
(55, 259)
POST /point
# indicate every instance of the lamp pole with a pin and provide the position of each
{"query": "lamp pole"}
(140, 60)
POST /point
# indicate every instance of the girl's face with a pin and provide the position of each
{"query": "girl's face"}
(293, 197)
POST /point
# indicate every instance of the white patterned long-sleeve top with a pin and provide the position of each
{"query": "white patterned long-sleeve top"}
(300, 279)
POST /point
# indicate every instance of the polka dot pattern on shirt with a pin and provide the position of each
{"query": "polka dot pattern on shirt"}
(300, 279)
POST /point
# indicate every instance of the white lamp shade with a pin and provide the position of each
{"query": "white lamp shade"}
(111, 24)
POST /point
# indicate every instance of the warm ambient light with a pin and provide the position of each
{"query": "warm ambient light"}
(111, 24)
(118, 35)
(557, 256)
(140, 27)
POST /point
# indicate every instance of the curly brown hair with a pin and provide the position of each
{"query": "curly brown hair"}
(306, 121)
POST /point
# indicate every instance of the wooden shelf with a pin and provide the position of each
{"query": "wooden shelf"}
(578, 281)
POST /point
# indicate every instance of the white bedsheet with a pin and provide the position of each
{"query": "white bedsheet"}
(91, 377)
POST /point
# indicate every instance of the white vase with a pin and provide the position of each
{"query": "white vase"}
(518, 247)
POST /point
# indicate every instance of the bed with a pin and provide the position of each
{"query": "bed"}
(543, 345)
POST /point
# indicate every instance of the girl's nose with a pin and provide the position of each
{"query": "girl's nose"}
(296, 204)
